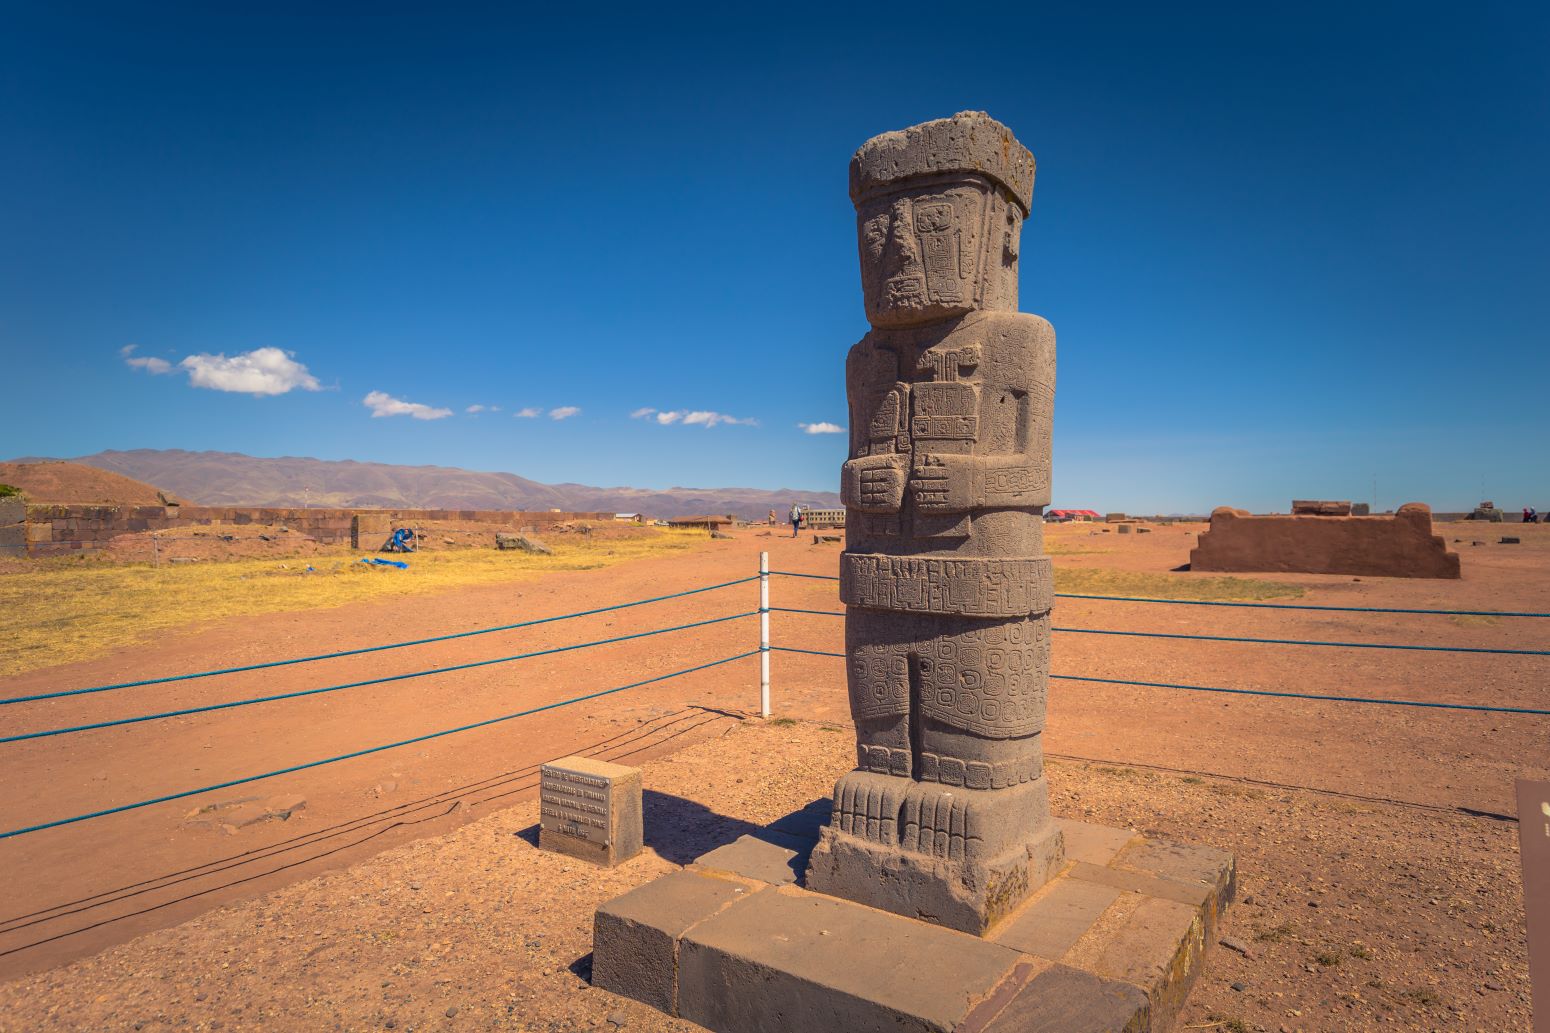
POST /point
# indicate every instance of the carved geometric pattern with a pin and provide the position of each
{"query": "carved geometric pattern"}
(1010, 587)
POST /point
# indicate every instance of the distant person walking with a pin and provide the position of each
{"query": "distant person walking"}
(796, 518)
(1530, 515)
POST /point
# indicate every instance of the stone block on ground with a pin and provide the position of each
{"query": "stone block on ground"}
(1062, 999)
(635, 937)
(369, 532)
(1152, 944)
(521, 543)
(590, 809)
(1054, 920)
(789, 960)
(767, 855)
(1112, 944)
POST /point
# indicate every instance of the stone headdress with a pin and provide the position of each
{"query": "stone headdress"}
(970, 141)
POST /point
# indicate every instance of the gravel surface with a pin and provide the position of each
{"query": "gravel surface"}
(1352, 915)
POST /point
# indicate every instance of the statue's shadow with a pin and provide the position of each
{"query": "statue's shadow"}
(680, 830)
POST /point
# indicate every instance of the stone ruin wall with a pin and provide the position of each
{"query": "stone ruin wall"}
(55, 530)
(13, 526)
(1400, 545)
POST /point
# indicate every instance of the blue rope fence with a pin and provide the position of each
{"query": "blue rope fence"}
(1240, 638)
(1256, 606)
(1302, 606)
(716, 663)
(369, 681)
(1306, 642)
(1248, 692)
(369, 750)
(371, 649)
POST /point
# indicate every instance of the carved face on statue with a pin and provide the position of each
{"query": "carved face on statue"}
(937, 250)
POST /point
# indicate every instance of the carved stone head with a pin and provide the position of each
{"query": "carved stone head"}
(939, 210)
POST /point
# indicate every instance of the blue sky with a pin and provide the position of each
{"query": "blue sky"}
(1286, 250)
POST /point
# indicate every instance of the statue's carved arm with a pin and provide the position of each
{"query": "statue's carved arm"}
(960, 484)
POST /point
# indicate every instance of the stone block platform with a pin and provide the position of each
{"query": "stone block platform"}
(735, 943)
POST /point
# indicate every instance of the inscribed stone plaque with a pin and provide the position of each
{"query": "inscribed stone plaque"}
(590, 809)
(1534, 845)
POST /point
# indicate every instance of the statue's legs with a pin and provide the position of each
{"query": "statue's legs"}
(939, 821)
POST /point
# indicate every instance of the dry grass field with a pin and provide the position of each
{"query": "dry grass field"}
(66, 610)
(1375, 842)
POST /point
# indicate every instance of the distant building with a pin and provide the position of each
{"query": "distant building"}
(630, 518)
(819, 518)
(1061, 516)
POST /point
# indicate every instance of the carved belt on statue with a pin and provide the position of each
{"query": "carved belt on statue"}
(1010, 587)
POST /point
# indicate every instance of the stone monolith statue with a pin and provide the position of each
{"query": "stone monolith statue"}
(946, 817)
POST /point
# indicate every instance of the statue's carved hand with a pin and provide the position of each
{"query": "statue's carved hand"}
(945, 484)
(873, 484)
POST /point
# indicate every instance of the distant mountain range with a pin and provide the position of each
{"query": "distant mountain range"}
(233, 479)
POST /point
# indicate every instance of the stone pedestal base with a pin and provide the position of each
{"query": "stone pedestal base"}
(1111, 944)
(963, 858)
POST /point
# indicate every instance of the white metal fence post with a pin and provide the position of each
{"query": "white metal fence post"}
(764, 634)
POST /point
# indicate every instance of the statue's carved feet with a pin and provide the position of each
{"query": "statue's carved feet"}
(936, 820)
(868, 805)
(959, 857)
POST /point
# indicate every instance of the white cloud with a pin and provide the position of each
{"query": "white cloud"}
(474, 410)
(262, 371)
(564, 412)
(690, 418)
(710, 419)
(531, 412)
(382, 404)
(149, 363)
(822, 428)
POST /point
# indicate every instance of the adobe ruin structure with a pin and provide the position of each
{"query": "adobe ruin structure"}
(1397, 545)
(56, 530)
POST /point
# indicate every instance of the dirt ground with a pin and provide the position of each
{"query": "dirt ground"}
(1388, 819)
(1357, 916)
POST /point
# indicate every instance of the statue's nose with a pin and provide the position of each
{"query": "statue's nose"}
(897, 252)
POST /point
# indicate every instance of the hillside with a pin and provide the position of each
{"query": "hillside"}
(233, 479)
(62, 483)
